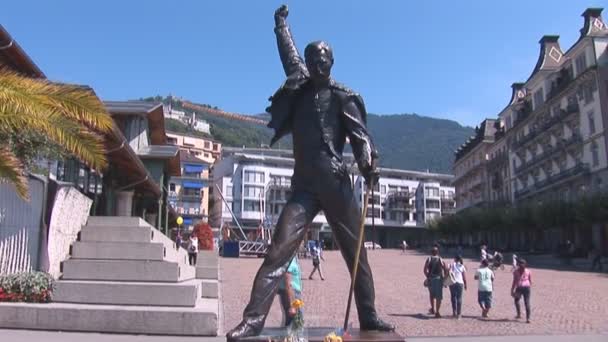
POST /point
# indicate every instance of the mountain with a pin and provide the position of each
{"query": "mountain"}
(414, 142)
(404, 141)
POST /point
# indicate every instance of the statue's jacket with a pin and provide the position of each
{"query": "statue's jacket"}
(352, 111)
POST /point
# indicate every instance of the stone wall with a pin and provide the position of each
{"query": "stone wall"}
(70, 212)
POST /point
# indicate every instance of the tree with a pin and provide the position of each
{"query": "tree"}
(34, 112)
(203, 233)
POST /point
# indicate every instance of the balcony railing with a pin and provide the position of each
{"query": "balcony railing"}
(190, 198)
(549, 151)
(578, 169)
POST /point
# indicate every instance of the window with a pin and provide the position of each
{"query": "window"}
(556, 110)
(594, 154)
(172, 187)
(588, 90)
(591, 117)
(383, 189)
(539, 98)
(581, 63)
(207, 144)
(216, 147)
(431, 192)
(229, 191)
(432, 204)
(509, 122)
(254, 177)
(253, 191)
(250, 205)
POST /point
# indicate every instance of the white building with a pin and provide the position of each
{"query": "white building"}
(256, 184)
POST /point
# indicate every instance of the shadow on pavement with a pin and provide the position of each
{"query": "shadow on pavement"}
(416, 316)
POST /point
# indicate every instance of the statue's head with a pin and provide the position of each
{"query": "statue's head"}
(319, 60)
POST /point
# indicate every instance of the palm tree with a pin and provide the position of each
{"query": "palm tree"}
(67, 115)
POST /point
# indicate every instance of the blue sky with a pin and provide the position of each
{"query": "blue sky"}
(446, 59)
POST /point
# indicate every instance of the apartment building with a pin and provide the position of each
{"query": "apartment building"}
(207, 150)
(553, 130)
(256, 185)
(189, 193)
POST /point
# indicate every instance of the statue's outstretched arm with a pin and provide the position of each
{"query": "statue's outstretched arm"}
(292, 62)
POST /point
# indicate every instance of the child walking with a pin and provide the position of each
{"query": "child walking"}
(485, 278)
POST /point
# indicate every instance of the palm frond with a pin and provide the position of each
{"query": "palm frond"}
(26, 96)
(11, 171)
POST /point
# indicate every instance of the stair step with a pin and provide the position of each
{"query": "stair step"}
(113, 221)
(201, 320)
(126, 270)
(203, 272)
(129, 293)
(118, 250)
(90, 233)
(209, 288)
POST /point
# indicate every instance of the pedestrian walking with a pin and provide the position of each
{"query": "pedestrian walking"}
(317, 256)
(457, 274)
(485, 278)
(484, 252)
(522, 283)
(596, 258)
(403, 246)
(178, 239)
(192, 249)
(290, 289)
(434, 271)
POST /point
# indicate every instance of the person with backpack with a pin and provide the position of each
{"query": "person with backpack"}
(458, 282)
(435, 271)
(316, 261)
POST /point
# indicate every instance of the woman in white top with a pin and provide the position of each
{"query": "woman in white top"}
(458, 277)
(192, 249)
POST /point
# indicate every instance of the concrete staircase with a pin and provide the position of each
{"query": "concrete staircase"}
(124, 276)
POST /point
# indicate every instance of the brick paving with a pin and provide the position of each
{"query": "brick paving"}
(563, 302)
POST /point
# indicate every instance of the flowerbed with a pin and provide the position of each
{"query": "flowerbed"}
(33, 287)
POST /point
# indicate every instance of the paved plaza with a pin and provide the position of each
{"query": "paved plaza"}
(563, 302)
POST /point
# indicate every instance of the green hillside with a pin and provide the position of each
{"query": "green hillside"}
(405, 141)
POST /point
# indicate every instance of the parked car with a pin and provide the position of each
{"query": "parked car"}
(371, 245)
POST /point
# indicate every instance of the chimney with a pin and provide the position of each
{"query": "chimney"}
(593, 22)
(518, 92)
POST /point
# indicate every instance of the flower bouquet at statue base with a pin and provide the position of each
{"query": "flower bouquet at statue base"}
(295, 330)
(338, 335)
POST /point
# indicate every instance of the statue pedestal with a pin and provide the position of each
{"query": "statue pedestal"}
(317, 334)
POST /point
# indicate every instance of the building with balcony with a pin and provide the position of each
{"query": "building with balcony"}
(550, 141)
(470, 173)
(207, 150)
(256, 184)
(189, 193)
(556, 128)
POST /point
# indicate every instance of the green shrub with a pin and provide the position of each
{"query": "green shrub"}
(35, 287)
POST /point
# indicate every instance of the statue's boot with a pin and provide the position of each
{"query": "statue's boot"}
(247, 327)
(372, 322)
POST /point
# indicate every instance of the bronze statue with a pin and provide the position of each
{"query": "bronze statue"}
(320, 114)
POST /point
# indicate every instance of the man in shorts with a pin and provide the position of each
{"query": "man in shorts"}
(485, 278)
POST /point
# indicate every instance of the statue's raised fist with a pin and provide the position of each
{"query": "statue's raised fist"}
(281, 12)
